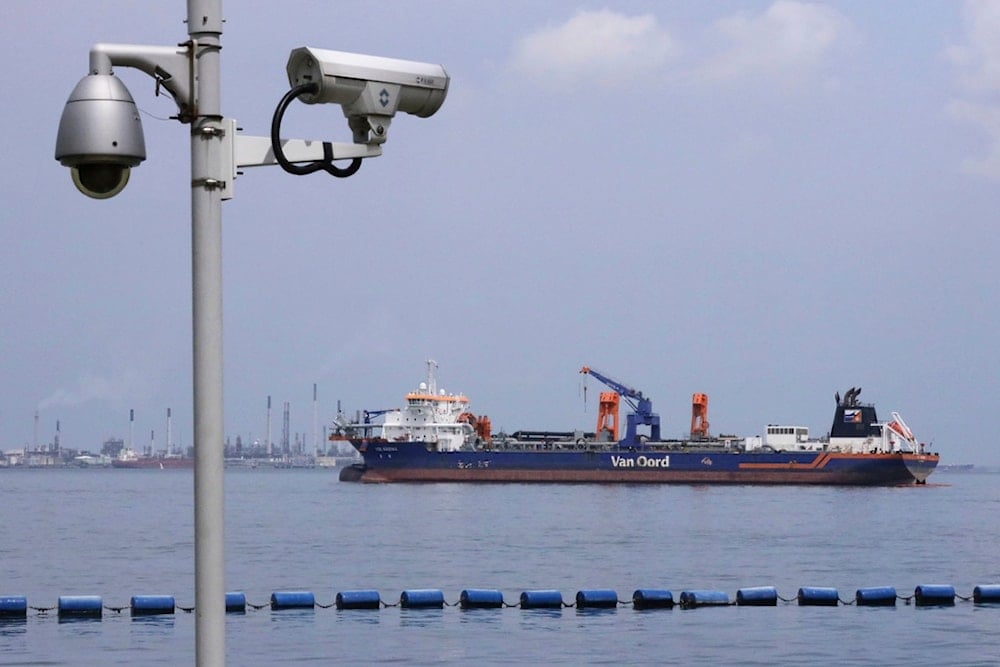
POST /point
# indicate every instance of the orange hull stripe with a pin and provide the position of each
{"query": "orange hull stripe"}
(816, 464)
(820, 461)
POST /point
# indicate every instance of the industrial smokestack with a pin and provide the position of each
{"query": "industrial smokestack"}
(270, 449)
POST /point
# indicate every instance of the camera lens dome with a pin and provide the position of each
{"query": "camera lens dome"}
(100, 180)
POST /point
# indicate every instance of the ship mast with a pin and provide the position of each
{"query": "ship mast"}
(431, 379)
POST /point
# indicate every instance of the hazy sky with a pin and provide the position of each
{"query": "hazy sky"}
(764, 201)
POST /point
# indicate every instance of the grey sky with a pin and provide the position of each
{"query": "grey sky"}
(766, 202)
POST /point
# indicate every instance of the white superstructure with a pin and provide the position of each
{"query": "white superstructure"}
(430, 415)
(877, 437)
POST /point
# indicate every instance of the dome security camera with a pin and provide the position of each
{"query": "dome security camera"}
(100, 136)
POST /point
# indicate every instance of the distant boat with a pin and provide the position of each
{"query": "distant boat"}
(92, 461)
(129, 459)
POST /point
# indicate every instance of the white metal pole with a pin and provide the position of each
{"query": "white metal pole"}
(205, 30)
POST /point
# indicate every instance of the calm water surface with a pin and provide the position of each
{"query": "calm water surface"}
(119, 533)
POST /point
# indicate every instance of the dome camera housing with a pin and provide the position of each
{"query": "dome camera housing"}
(100, 136)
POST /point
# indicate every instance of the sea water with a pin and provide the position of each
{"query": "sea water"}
(119, 533)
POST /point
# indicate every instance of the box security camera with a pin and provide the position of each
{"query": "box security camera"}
(370, 89)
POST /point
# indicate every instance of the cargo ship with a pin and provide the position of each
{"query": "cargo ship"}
(435, 438)
(129, 459)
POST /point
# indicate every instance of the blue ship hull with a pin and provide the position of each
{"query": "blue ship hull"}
(420, 462)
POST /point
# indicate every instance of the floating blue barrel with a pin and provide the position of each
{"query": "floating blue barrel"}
(363, 599)
(544, 599)
(934, 594)
(652, 598)
(601, 598)
(703, 598)
(292, 600)
(422, 598)
(480, 598)
(878, 596)
(817, 596)
(13, 606)
(149, 605)
(758, 596)
(236, 602)
(986, 594)
(81, 605)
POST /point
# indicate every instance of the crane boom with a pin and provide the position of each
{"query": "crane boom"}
(642, 409)
(622, 389)
(372, 414)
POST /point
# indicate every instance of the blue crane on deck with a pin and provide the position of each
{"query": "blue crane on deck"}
(642, 409)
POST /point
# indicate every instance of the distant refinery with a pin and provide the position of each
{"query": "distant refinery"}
(292, 450)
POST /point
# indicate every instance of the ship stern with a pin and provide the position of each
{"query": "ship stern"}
(920, 466)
